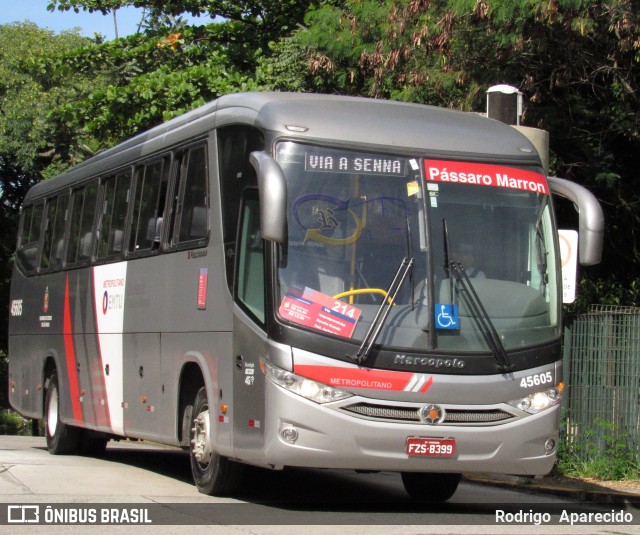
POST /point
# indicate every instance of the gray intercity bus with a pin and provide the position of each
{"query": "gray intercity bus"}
(301, 280)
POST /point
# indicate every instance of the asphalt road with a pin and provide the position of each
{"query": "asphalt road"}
(137, 482)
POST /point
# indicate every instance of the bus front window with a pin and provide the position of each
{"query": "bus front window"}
(350, 220)
(503, 241)
(354, 219)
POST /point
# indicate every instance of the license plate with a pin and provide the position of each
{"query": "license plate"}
(431, 447)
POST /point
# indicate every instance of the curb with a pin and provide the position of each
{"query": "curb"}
(540, 485)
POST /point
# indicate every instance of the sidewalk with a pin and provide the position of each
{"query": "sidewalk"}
(578, 489)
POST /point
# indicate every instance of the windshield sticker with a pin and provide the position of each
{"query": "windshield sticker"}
(482, 174)
(433, 190)
(447, 317)
(413, 188)
(319, 311)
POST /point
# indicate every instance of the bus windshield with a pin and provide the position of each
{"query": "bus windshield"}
(460, 256)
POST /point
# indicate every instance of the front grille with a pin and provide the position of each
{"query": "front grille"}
(453, 416)
(381, 412)
(477, 417)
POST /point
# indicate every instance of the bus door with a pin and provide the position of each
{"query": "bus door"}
(249, 336)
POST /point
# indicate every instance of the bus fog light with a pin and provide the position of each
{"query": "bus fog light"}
(549, 446)
(289, 434)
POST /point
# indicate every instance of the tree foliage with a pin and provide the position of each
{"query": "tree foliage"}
(152, 79)
(30, 87)
(172, 67)
(577, 61)
(264, 20)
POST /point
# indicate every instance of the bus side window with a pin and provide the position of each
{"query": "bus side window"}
(83, 209)
(88, 217)
(53, 242)
(191, 221)
(250, 283)
(115, 199)
(235, 144)
(29, 237)
(148, 207)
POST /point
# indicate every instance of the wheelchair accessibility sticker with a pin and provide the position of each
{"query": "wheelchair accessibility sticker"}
(447, 317)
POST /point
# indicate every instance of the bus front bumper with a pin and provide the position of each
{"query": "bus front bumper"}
(302, 433)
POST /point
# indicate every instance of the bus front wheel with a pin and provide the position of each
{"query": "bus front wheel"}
(430, 487)
(61, 438)
(213, 474)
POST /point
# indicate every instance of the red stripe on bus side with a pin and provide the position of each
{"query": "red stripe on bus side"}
(67, 331)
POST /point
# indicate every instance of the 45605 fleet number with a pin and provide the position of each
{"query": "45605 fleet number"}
(537, 380)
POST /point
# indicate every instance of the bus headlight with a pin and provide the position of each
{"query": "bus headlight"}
(312, 390)
(538, 401)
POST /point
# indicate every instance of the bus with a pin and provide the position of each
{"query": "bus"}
(298, 280)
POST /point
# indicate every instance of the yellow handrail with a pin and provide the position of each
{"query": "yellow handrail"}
(362, 291)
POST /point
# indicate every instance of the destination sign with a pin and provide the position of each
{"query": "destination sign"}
(363, 164)
(481, 174)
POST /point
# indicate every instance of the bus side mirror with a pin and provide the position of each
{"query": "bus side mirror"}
(273, 196)
(591, 218)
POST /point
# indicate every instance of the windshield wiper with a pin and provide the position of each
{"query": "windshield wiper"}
(383, 310)
(474, 302)
(480, 314)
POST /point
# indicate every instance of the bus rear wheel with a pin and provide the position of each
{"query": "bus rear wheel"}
(213, 474)
(430, 487)
(61, 438)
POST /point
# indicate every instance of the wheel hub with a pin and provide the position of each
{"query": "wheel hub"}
(52, 414)
(201, 442)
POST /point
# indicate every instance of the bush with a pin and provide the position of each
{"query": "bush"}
(11, 423)
(599, 454)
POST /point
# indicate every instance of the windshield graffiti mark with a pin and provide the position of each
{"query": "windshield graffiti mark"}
(327, 221)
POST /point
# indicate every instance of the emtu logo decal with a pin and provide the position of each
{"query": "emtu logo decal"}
(114, 300)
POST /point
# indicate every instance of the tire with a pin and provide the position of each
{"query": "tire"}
(62, 439)
(430, 487)
(213, 474)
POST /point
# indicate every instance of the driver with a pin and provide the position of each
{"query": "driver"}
(465, 254)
